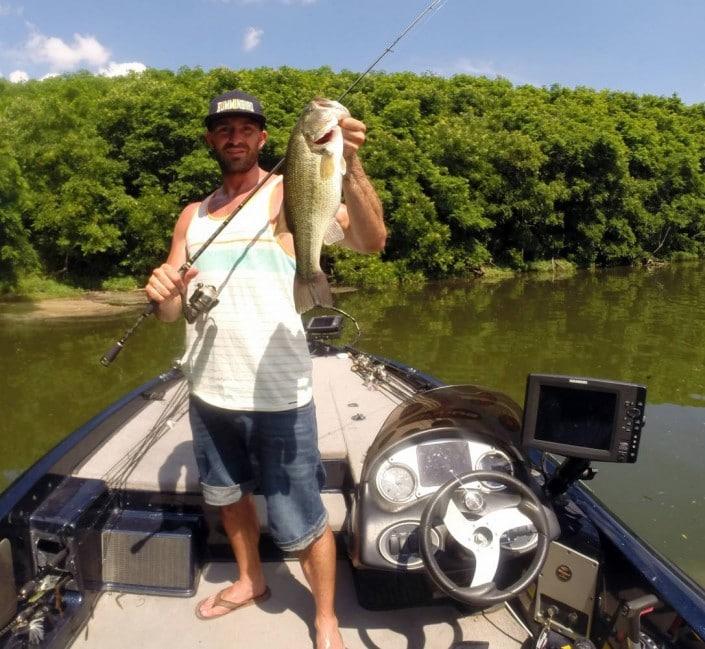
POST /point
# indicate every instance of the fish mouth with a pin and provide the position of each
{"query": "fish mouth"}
(326, 138)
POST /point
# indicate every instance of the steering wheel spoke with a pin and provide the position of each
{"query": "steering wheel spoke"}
(481, 537)
(486, 564)
(504, 520)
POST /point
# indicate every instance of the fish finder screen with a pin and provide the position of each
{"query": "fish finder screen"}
(439, 462)
(576, 417)
(323, 321)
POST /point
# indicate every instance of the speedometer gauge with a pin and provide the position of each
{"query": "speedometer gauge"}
(494, 461)
(396, 482)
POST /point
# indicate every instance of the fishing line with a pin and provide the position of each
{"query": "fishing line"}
(113, 352)
(358, 333)
(433, 6)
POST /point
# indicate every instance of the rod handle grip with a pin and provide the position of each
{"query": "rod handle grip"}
(111, 354)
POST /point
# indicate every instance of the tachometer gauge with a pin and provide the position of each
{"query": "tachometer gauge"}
(396, 482)
(494, 461)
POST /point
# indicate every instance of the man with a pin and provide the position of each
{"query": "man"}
(247, 360)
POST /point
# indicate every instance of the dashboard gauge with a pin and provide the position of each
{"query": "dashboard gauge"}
(494, 461)
(396, 482)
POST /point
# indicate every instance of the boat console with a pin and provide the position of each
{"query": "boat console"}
(449, 489)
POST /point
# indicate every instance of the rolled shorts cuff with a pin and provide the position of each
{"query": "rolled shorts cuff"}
(221, 496)
(304, 541)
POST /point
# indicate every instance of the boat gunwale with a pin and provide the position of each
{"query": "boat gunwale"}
(680, 591)
(53, 459)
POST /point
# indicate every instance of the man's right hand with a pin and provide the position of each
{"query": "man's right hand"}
(164, 286)
(165, 283)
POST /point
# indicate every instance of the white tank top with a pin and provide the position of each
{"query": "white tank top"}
(249, 352)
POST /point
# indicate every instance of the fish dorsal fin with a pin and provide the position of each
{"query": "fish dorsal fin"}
(327, 166)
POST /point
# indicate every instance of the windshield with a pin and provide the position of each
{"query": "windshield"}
(475, 408)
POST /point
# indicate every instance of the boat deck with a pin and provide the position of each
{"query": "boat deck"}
(349, 414)
(153, 452)
(285, 620)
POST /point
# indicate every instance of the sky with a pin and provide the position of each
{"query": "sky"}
(642, 46)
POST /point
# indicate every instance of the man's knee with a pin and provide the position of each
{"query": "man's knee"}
(317, 543)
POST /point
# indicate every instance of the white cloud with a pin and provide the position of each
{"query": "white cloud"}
(122, 69)
(252, 38)
(61, 56)
(480, 68)
(18, 76)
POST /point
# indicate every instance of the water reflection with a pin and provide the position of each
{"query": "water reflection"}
(633, 325)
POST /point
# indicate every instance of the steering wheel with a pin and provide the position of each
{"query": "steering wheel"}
(482, 538)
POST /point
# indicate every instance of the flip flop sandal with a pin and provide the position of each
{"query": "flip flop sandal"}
(229, 606)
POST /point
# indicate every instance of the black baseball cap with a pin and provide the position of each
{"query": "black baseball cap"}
(235, 102)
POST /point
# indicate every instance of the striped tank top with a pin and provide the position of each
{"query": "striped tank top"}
(249, 352)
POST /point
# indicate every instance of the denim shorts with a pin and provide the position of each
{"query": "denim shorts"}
(239, 451)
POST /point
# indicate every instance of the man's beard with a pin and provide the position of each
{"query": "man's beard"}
(236, 165)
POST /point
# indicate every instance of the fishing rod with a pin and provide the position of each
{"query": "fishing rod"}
(204, 299)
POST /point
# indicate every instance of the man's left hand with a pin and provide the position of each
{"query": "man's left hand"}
(353, 136)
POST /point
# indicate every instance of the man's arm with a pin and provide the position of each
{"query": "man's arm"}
(361, 217)
(165, 285)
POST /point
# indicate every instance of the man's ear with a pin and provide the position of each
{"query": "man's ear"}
(262, 139)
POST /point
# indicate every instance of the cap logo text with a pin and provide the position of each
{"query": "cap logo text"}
(235, 104)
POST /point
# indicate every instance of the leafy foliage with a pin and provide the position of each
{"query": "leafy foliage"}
(471, 171)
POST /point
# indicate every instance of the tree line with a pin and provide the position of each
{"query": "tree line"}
(472, 172)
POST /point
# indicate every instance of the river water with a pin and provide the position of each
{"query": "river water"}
(645, 325)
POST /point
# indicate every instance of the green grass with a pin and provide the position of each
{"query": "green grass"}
(37, 287)
(122, 283)
(496, 273)
(553, 266)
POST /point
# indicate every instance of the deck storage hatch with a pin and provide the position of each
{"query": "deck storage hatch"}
(150, 552)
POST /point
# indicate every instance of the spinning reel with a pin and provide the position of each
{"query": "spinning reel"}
(204, 298)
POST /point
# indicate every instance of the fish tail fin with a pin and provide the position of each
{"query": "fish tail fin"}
(312, 292)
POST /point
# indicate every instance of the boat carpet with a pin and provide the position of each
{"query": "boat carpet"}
(285, 620)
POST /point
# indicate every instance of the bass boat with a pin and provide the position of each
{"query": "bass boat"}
(462, 520)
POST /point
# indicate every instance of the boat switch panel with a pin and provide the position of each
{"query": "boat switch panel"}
(565, 596)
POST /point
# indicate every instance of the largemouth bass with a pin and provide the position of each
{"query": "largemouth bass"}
(313, 181)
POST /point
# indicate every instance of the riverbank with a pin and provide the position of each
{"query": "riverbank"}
(92, 304)
(62, 301)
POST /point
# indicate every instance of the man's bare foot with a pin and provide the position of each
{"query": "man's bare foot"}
(328, 635)
(238, 593)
